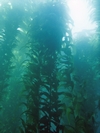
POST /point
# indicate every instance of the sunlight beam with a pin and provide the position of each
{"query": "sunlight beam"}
(79, 11)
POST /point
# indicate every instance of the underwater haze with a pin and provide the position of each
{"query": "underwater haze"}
(49, 66)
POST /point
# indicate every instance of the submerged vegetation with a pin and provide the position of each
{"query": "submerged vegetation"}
(49, 82)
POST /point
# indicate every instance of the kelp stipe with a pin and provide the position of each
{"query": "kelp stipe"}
(9, 24)
(8, 42)
(84, 95)
(44, 107)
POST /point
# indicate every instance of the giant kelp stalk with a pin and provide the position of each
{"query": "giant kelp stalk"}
(95, 18)
(66, 84)
(8, 30)
(7, 43)
(86, 92)
(50, 24)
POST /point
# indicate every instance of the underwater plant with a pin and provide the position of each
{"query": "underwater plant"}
(10, 20)
(43, 104)
(59, 94)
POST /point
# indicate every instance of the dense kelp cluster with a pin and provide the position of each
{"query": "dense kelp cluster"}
(51, 80)
(47, 29)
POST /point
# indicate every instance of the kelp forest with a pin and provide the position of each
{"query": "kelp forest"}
(49, 77)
